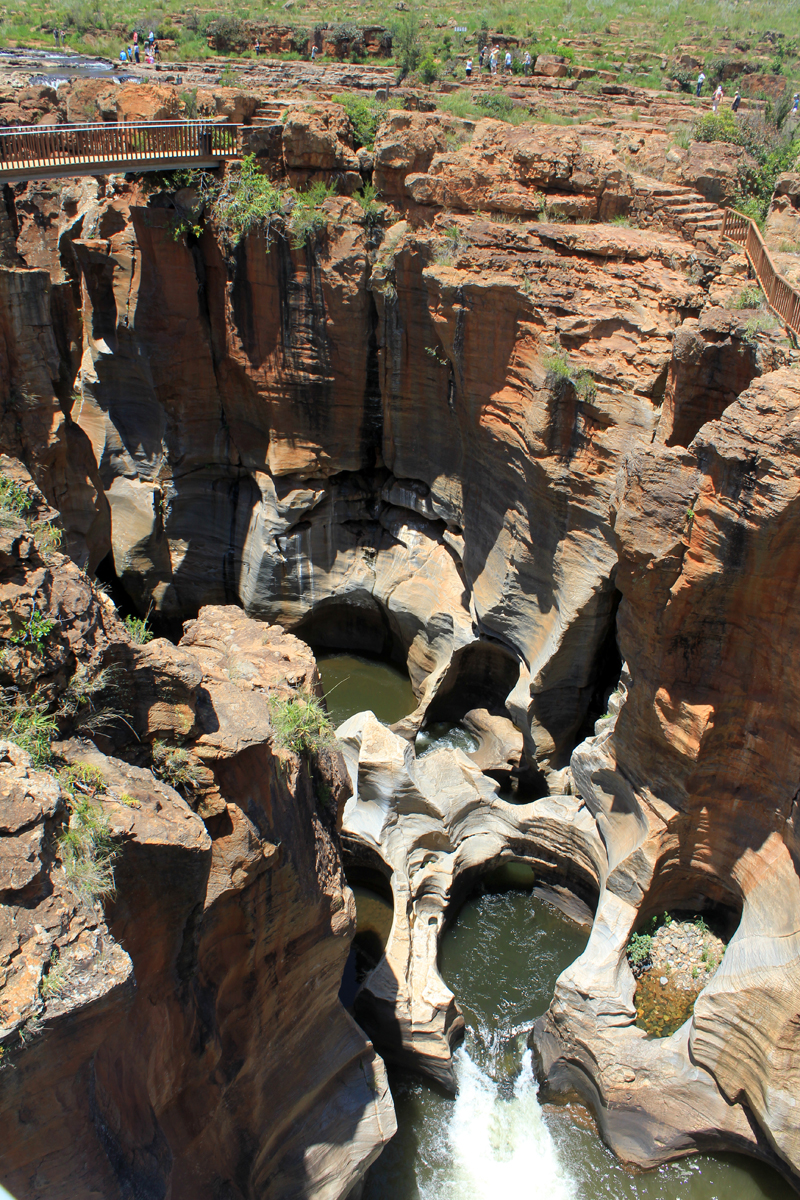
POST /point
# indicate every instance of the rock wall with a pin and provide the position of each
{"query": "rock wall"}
(694, 791)
(386, 441)
(193, 1043)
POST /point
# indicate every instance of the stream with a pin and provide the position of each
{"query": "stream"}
(501, 957)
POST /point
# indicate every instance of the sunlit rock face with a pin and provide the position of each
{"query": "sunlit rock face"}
(512, 455)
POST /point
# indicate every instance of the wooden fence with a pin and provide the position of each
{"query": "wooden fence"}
(36, 151)
(782, 298)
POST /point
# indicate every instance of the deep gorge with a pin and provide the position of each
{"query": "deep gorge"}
(541, 468)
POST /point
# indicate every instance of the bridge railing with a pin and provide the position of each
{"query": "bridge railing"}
(51, 145)
(782, 298)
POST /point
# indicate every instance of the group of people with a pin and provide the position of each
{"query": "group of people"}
(131, 53)
(489, 59)
(719, 94)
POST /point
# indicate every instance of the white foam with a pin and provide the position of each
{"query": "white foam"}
(497, 1146)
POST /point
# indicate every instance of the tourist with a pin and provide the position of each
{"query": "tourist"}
(136, 52)
(527, 62)
(508, 62)
(313, 53)
(151, 38)
(481, 57)
(737, 100)
(493, 57)
(136, 37)
(700, 81)
(258, 47)
(123, 55)
(795, 104)
(718, 94)
(56, 35)
(468, 69)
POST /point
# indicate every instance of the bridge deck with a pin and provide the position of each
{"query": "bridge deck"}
(36, 152)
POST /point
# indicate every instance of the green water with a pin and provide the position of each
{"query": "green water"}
(501, 957)
(353, 684)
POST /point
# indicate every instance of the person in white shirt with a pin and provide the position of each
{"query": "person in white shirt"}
(700, 81)
(718, 94)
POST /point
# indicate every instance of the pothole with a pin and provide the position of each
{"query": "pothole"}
(673, 958)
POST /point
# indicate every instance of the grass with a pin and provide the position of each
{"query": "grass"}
(25, 720)
(453, 245)
(16, 502)
(54, 983)
(301, 724)
(139, 630)
(749, 297)
(308, 217)
(87, 849)
(557, 363)
(175, 766)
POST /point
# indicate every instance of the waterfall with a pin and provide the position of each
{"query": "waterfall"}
(495, 1142)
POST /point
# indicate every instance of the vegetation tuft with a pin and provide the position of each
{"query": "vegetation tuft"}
(88, 849)
(365, 116)
(557, 363)
(301, 724)
(25, 720)
(175, 766)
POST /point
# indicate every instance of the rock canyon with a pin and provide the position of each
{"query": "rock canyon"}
(503, 422)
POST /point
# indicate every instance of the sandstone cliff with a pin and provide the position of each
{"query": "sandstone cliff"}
(178, 1032)
(511, 453)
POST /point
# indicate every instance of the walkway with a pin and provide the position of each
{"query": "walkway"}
(782, 298)
(50, 151)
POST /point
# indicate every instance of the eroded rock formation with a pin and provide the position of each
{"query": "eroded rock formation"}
(147, 1042)
(510, 453)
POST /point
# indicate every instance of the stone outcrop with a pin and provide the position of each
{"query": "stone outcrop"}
(433, 825)
(783, 218)
(325, 512)
(498, 169)
(694, 804)
(146, 1040)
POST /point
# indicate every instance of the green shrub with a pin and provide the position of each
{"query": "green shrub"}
(371, 207)
(139, 630)
(718, 127)
(428, 69)
(14, 499)
(35, 631)
(88, 849)
(365, 116)
(229, 78)
(248, 199)
(639, 949)
(406, 42)
(496, 104)
(301, 724)
(557, 362)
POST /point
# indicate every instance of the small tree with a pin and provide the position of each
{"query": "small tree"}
(407, 43)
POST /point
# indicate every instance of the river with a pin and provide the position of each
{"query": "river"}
(501, 957)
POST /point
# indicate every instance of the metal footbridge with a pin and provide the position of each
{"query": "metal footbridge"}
(106, 148)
